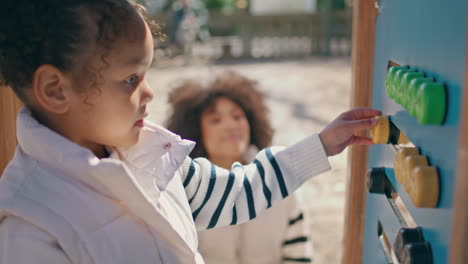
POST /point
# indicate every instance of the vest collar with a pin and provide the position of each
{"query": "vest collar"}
(159, 152)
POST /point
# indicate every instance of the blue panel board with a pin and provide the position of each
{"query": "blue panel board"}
(429, 35)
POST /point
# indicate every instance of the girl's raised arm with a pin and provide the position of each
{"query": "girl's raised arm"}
(219, 197)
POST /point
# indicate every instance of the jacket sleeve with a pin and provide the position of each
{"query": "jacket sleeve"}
(296, 246)
(219, 197)
(21, 242)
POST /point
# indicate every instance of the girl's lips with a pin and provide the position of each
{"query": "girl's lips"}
(140, 123)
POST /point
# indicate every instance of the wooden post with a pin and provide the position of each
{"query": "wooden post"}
(364, 16)
(9, 106)
(459, 246)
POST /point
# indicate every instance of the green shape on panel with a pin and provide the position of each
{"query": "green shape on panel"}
(431, 103)
(397, 84)
(405, 83)
(389, 80)
(413, 89)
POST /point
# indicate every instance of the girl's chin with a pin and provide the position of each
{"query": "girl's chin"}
(131, 139)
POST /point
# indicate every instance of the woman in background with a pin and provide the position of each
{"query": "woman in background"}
(229, 121)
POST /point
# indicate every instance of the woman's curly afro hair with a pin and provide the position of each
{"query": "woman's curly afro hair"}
(190, 99)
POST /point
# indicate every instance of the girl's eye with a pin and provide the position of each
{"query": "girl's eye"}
(132, 80)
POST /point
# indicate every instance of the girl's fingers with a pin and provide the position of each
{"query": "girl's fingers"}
(360, 113)
(363, 124)
(356, 140)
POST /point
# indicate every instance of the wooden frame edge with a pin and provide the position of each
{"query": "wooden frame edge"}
(364, 16)
(459, 243)
(9, 106)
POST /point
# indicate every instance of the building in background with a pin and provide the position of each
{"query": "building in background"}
(264, 7)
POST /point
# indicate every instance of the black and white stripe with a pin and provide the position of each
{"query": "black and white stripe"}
(295, 247)
(233, 197)
(220, 197)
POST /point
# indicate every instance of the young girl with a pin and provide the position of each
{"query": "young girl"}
(230, 121)
(91, 180)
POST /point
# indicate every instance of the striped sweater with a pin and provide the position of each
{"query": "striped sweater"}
(280, 235)
(254, 242)
(225, 197)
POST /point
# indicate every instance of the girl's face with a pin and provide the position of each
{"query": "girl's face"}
(111, 113)
(225, 130)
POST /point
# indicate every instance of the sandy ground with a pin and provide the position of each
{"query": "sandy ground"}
(303, 95)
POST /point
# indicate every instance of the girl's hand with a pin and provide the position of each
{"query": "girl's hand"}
(342, 131)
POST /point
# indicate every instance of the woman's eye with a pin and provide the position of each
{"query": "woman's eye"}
(238, 117)
(132, 80)
(215, 121)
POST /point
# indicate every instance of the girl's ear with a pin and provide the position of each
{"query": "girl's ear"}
(51, 89)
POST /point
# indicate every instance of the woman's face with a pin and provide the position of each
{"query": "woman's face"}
(225, 130)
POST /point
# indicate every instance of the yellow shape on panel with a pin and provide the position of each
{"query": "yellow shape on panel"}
(403, 140)
(409, 164)
(401, 155)
(424, 191)
(419, 180)
(381, 131)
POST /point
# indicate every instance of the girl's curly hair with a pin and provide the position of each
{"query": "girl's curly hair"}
(190, 99)
(38, 32)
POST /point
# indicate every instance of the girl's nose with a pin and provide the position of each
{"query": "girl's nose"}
(147, 93)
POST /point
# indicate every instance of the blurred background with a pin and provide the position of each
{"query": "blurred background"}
(216, 30)
(299, 52)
